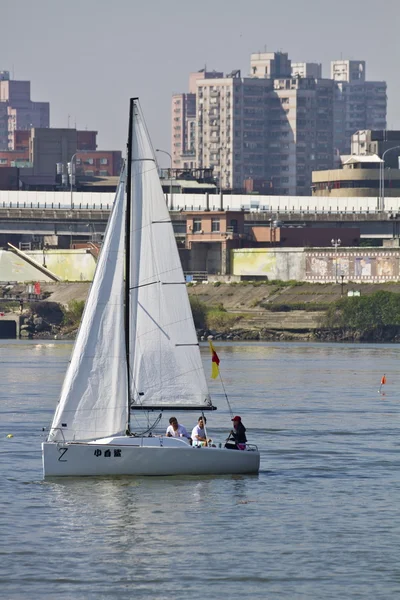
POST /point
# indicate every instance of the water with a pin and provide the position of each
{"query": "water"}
(321, 520)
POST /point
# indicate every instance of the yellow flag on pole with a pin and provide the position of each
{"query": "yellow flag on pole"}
(214, 361)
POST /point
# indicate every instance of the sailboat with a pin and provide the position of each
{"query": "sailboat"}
(136, 351)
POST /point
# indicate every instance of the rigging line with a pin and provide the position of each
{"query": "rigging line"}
(226, 395)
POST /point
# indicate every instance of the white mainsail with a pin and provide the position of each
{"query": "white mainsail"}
(94, 397)
(167, 366)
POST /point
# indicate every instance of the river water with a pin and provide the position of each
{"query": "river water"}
(321, 520)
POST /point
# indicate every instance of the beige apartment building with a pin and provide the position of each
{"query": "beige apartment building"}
(183, 120)
(275, 126)
(270, 127)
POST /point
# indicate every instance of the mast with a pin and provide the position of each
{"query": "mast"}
(128, 256)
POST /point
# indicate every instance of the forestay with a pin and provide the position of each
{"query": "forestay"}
(94, 397)
(167, 367)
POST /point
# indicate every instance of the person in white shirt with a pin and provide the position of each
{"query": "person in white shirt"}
(176, 430)
(198, 434)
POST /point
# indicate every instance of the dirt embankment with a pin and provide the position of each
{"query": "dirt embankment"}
(297, 309)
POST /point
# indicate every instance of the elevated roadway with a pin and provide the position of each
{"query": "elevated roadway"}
(89, 222)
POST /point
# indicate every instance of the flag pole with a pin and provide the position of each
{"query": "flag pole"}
(216, 371)
(226, 395)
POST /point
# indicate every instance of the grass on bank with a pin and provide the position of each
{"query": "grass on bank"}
(212, 317)
(364, 313)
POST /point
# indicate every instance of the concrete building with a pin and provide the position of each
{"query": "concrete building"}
(103, 163)
(306, 69)
(366, 142)
(270, 65)
(359, 104)
(232, 128)
(183, 122)
(300, 136)
(86, 140)
(360, 176)
(271, 127)
(18, 111)
(48, 147)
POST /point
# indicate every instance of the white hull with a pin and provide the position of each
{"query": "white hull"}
(143, 456)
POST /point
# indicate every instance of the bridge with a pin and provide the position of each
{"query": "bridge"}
(90, 223)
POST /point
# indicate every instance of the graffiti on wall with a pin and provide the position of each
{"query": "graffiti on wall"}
(254, 263)
(355, 265)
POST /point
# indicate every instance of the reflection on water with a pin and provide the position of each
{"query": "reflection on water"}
(320, 520)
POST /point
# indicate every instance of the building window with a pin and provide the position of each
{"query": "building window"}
(104, 161)
(196, 225)
(103, 173)
(89, 172)
(215, 225)
(89, 161)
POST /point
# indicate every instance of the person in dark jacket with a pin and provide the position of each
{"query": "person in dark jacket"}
(237, 436)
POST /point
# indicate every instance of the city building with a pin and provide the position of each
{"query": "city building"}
(86, 140)
(271, 128)
(306, 69)
(183, 122)
(358, 104)
(379, 142)
(18, 111)
(232, 126)
(359, 176)
(300, 133)
(102, 163)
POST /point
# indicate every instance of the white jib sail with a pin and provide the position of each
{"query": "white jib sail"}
(94, 397)
(167, 366)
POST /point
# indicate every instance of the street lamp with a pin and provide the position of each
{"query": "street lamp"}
(382, 177)
(336, 243)
(71, 175)
(170, 177)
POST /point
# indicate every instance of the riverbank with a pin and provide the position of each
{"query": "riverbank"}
(273, 311)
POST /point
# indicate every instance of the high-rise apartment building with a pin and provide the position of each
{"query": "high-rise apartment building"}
(275, 126)
(17, 110)
(231, 130)
(358, 104)
(183, 122)
(300, 133)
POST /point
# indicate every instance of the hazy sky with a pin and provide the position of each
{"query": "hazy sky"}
(88, 57)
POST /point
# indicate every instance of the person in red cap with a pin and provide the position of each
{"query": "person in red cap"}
(237, 435)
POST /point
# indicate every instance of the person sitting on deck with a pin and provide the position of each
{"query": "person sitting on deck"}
(177, 430)
(199, 434)
(237, 435)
